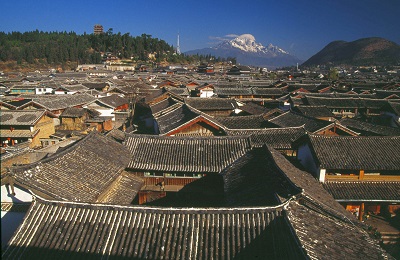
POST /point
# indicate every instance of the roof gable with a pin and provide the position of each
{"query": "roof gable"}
(336, 129)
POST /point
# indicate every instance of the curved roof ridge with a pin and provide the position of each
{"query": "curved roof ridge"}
(362, 181)
(268, 128)
(328, 211)
(182, 137)
(351, 137)
(279, 115)
(338, 124)
(200, 210)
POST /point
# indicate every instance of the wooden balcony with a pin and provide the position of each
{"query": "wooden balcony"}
(366, 177)
(176, 181)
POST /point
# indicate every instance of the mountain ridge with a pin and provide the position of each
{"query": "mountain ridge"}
(364, 51)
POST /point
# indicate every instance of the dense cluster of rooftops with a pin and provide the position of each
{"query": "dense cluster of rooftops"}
(199, 166)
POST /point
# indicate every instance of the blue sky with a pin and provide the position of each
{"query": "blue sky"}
(300, 27)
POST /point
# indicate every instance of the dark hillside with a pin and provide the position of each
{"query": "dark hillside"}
(367, 51)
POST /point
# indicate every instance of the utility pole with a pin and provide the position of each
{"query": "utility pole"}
(178, 48)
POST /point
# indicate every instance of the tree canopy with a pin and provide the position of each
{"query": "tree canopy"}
(60, 47)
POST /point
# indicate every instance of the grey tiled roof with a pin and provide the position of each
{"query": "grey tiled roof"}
(331, 102)
(254, 180)
(338, 95)
(324, 237)
(71, 75)
(117, 134)
(386, 93)
(311, 224)
(124, 190)
(204, 104)
(126, 90)
(291, 119)
(179, 91)
(368, 128)
(243, 122)
(154, 233)
(20, 117)
(56, 102)
(322, 226)
(347, 102)
(95, 85)
(174, 118)
(184, 154)
(162, 105)
(278, 138)
(367, 153)
(233, 91)
(312, 191)
(372, 103)
(113, 101)
(249, 91)
(268, 91)
(73, 112)
(253, 109)
(315, 111)
(76, 87)
(79, 173)
(364, 190)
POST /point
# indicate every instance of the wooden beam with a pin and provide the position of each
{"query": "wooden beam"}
(361, 176)
(361, 213)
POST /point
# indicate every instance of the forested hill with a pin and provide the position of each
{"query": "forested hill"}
(61, 47)
(366, 51)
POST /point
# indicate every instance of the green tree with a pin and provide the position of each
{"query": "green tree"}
(333, 74)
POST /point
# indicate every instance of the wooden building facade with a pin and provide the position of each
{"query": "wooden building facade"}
(18, 126)
(179, 161)
(362, 173)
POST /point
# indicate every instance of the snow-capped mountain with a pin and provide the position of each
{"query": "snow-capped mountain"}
(247, 43)
(248, 52)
